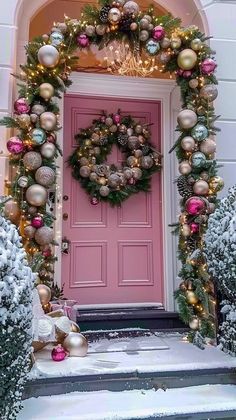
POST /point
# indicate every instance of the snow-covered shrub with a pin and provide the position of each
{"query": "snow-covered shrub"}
(220, 250)
(16, 284)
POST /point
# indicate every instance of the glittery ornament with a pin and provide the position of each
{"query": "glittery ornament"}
(29, 232)
(38, 136)
(128, 173)
(58, 353)
(195, 206)
(94, 201)
(21, 106)
(84, 171)
(185, 230)
(147, 162)
(131, 7)
(133, 142)
(208, 146)
(82, 40)
(165, 43)
(199, 132)
(198, 159)
(144, 23)
(23, 120)
(152, 46)
(15, 145)
(187, 119)
(113, 128)
(104, 191)
(137, 173)
(90, 30)
(56, 38)
(143, 35)
(164, 57)
(22, 181)
(48, 150)
(101, 29)
(208, 66)
(37, 222)
(158, 33)
(194, 227)
(45, 176)
(36, 195)
(32, 160)
(114, 180)
(37, 109)
(117, 118)
(193, 83)
(48, 121)
(216, 184)
(175, 42)
(44, 235)
(209, 92)
(48, 56)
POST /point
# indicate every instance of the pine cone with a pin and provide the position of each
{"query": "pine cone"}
(122, 139)
(103, 140)
(103, 15)
(185, 190)
(191, 244)
(125, 22)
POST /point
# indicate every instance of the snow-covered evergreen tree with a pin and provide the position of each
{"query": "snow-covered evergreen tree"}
(16, 284)
(220, 250)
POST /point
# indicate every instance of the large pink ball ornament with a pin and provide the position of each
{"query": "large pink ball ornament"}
(21, 106)
(15, 145)
(158, 33)
(208, 66)
(195, 206)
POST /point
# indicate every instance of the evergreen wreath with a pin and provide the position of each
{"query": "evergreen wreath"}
(104, 182)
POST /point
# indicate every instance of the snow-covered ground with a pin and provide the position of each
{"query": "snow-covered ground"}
(106, 405)
(128, 355)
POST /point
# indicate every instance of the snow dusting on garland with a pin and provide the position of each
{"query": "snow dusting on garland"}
(16, 284)
(50, 60)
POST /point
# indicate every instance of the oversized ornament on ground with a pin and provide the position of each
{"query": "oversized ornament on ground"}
(58, 353)
(48, 56)
(36, 195)
(32, 160)
(15, 145)
(187, 119)
(76, 344)
(48, 121)
(46, 91)
(187, 59)
(37, 135)
(44, 293)
(44, 235)
(45, 176)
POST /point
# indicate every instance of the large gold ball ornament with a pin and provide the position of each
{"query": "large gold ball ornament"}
(48, 150)
(201, 187)
(191, 297)
(196, 44)
(44, 235)
(114, 15)
(185, 167)
(209, 92)
(175, 42)
(48, 121)
(12, 211)
(46, 91)
(36, 195)
(187, 119)
(194, 323)
(188, 144)
(187, 59)
(48, 56)
(76, 344)
(216, 184)
(44, 293)
(32, 160)
(208, 146)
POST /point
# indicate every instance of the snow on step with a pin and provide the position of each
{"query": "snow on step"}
(107, 405)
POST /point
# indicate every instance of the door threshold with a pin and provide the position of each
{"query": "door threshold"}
(139, 305)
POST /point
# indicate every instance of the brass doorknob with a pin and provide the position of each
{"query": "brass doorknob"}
(65, 216)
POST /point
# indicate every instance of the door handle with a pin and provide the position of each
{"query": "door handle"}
(65, 246)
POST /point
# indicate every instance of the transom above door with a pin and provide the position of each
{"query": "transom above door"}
(115, 254)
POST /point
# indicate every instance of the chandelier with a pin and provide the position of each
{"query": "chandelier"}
(120, 58)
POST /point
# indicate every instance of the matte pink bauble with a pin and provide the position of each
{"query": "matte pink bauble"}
(82, 40)
(117, 118)
(47, 252)
(103, 119)
(15, 145)
(158, 33)
(94, 201)
(194, 227)
(179, 72)
(187, 73)
(208, 66)
(58, 353)
(21, 106)
(37, 222)
(195, 206)
(131, 181)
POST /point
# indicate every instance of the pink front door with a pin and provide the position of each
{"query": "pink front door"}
(115, 254)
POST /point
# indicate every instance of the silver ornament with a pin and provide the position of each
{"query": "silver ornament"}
(90, 30)
(45, 176)
(128, 173)
(109, 121)
(133, 142)
(137, 173)
(36, 195)
(131, 161)
(143, 35)
(48, 121)
(114, 15)
(32, 160)
(188, 144)
(38, 109)
(187, 119)
(23, 181)
(48, 56)
(33, 118)
(147, 162)
(48, 150)
(104, 191)
(114, 180)
(144, 23)
(165, 43)
(84, 171)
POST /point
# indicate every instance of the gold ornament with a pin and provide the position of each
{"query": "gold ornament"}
(47, 308)
(185, 230)
(208, 146)
(48, 56)
(76, 344)
(74, 327)
(44, 235)
(185, 167)
(187, 119)
(193, 83)
(216, 184)
(187, 59)
(48, 121)
(46, 91)
(201, 187)
(188, 144)
(32, 160)
(194, 323)
(23, 120)
(44, 293)
(12, 211)
(175, 42)
(36, 195)
(191, 297)
(196, 44)
(102, 180)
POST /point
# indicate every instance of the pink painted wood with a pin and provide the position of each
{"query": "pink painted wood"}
(115, 253)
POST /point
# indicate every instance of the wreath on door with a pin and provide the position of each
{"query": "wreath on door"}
(109, 182)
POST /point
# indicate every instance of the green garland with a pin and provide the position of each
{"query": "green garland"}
(109, 183)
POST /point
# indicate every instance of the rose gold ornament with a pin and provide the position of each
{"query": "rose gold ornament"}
(193, 83)
(48, 150)
(187, 119)
(44, 293)
(12, 211)
(201, 187)
(165, 43)
(36, 195)
(209, 92)
(29, 232)
(76, 344)
(208, 146)
(188, 144)
(131, 7)
(185, 167)
(48, 121)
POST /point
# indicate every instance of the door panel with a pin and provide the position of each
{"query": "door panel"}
(116, 253)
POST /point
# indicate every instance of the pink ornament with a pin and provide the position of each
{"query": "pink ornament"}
(51, 138)
(195, 206)
(194, 227)
(15, 145)
(208, 66)
(37, 222)
(158, 33)
(187, 73)
(58, 353)
(94, 201)
(82, 40)
(21, 106)
(117, 118)
(179, 72)
(103, 119)
(47, 252)
(131, 181)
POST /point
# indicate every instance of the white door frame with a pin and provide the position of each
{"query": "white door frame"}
(132, 88)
